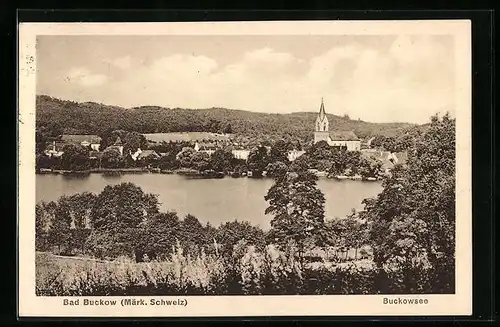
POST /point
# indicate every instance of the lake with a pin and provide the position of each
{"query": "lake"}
(210, 200)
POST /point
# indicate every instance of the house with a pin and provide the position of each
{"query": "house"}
(369, 142)
(117, 145)
(190, 137)
(148, 155)
(388, 159)
(241, 154)
(135, 155)
(347, 139)
(93, 141)
(294, 154)
(207, 147)
(54, 150)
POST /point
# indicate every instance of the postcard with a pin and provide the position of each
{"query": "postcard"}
(273, 168)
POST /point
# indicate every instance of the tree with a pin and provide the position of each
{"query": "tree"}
(276, 169)
(370, 167)
(44, 218)
(413, 219)
(320, 151)
(302, 163)
(111, 158)
(340, 162)
(200, 161)
(106, 139)
(60, 227)
(75, 158)
(168, 161)
(116, 217)
(279, 151)
(193, 235)
(133, 141)
(221, 160)
(184, 157)
(404, 142)
(41, 138)
(378, 141)
(159, 235)
(390, 144)
(230, 233)
(258, 160)
(228, 129)
(298, 208)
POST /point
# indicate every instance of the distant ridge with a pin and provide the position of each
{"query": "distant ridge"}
(95, 118)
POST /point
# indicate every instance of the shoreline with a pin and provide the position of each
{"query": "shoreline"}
(181, 172)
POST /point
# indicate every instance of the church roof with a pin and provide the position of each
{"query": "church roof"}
(344, 136)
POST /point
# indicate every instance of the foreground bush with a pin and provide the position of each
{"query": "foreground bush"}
(247, 272)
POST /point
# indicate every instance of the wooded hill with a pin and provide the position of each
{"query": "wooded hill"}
(94, 118)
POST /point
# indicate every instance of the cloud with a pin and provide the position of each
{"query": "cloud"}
(122, 62)
(408, 80)
(84, 77)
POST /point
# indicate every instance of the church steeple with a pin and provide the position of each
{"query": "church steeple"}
(322, 113)
(322, 120)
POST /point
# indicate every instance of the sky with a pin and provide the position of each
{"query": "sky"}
(388, 78)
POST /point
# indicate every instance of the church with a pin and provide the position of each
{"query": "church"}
(347, 140)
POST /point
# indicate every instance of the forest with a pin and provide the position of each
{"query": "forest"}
(57, 116)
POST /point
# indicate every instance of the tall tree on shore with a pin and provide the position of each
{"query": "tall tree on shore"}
(75, 157)
(413, 218)
(116, 217)
(298, 209)
(221, 160)
(258, 160)
(111, 158)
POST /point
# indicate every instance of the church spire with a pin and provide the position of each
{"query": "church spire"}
(322, 113)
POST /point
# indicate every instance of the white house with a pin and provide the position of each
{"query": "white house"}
(241, 154)
(294, 154)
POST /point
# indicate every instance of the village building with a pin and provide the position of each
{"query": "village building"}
(347, 140)
(188, 137)
(148, 155)
(206, 147)
(388, 159)
(294, 154)
(117, 145)
(241, 154)
(54, 149)
(93, 141)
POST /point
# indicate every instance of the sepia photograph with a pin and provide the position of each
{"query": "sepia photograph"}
(212, 160)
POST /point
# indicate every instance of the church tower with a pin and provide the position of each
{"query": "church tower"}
(321, 127)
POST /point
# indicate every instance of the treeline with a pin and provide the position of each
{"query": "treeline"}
(122, 220)
(58, 116)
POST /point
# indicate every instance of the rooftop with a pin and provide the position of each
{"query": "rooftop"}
(344, 136)
(185, 137)
(75, 138)
(147, 153)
